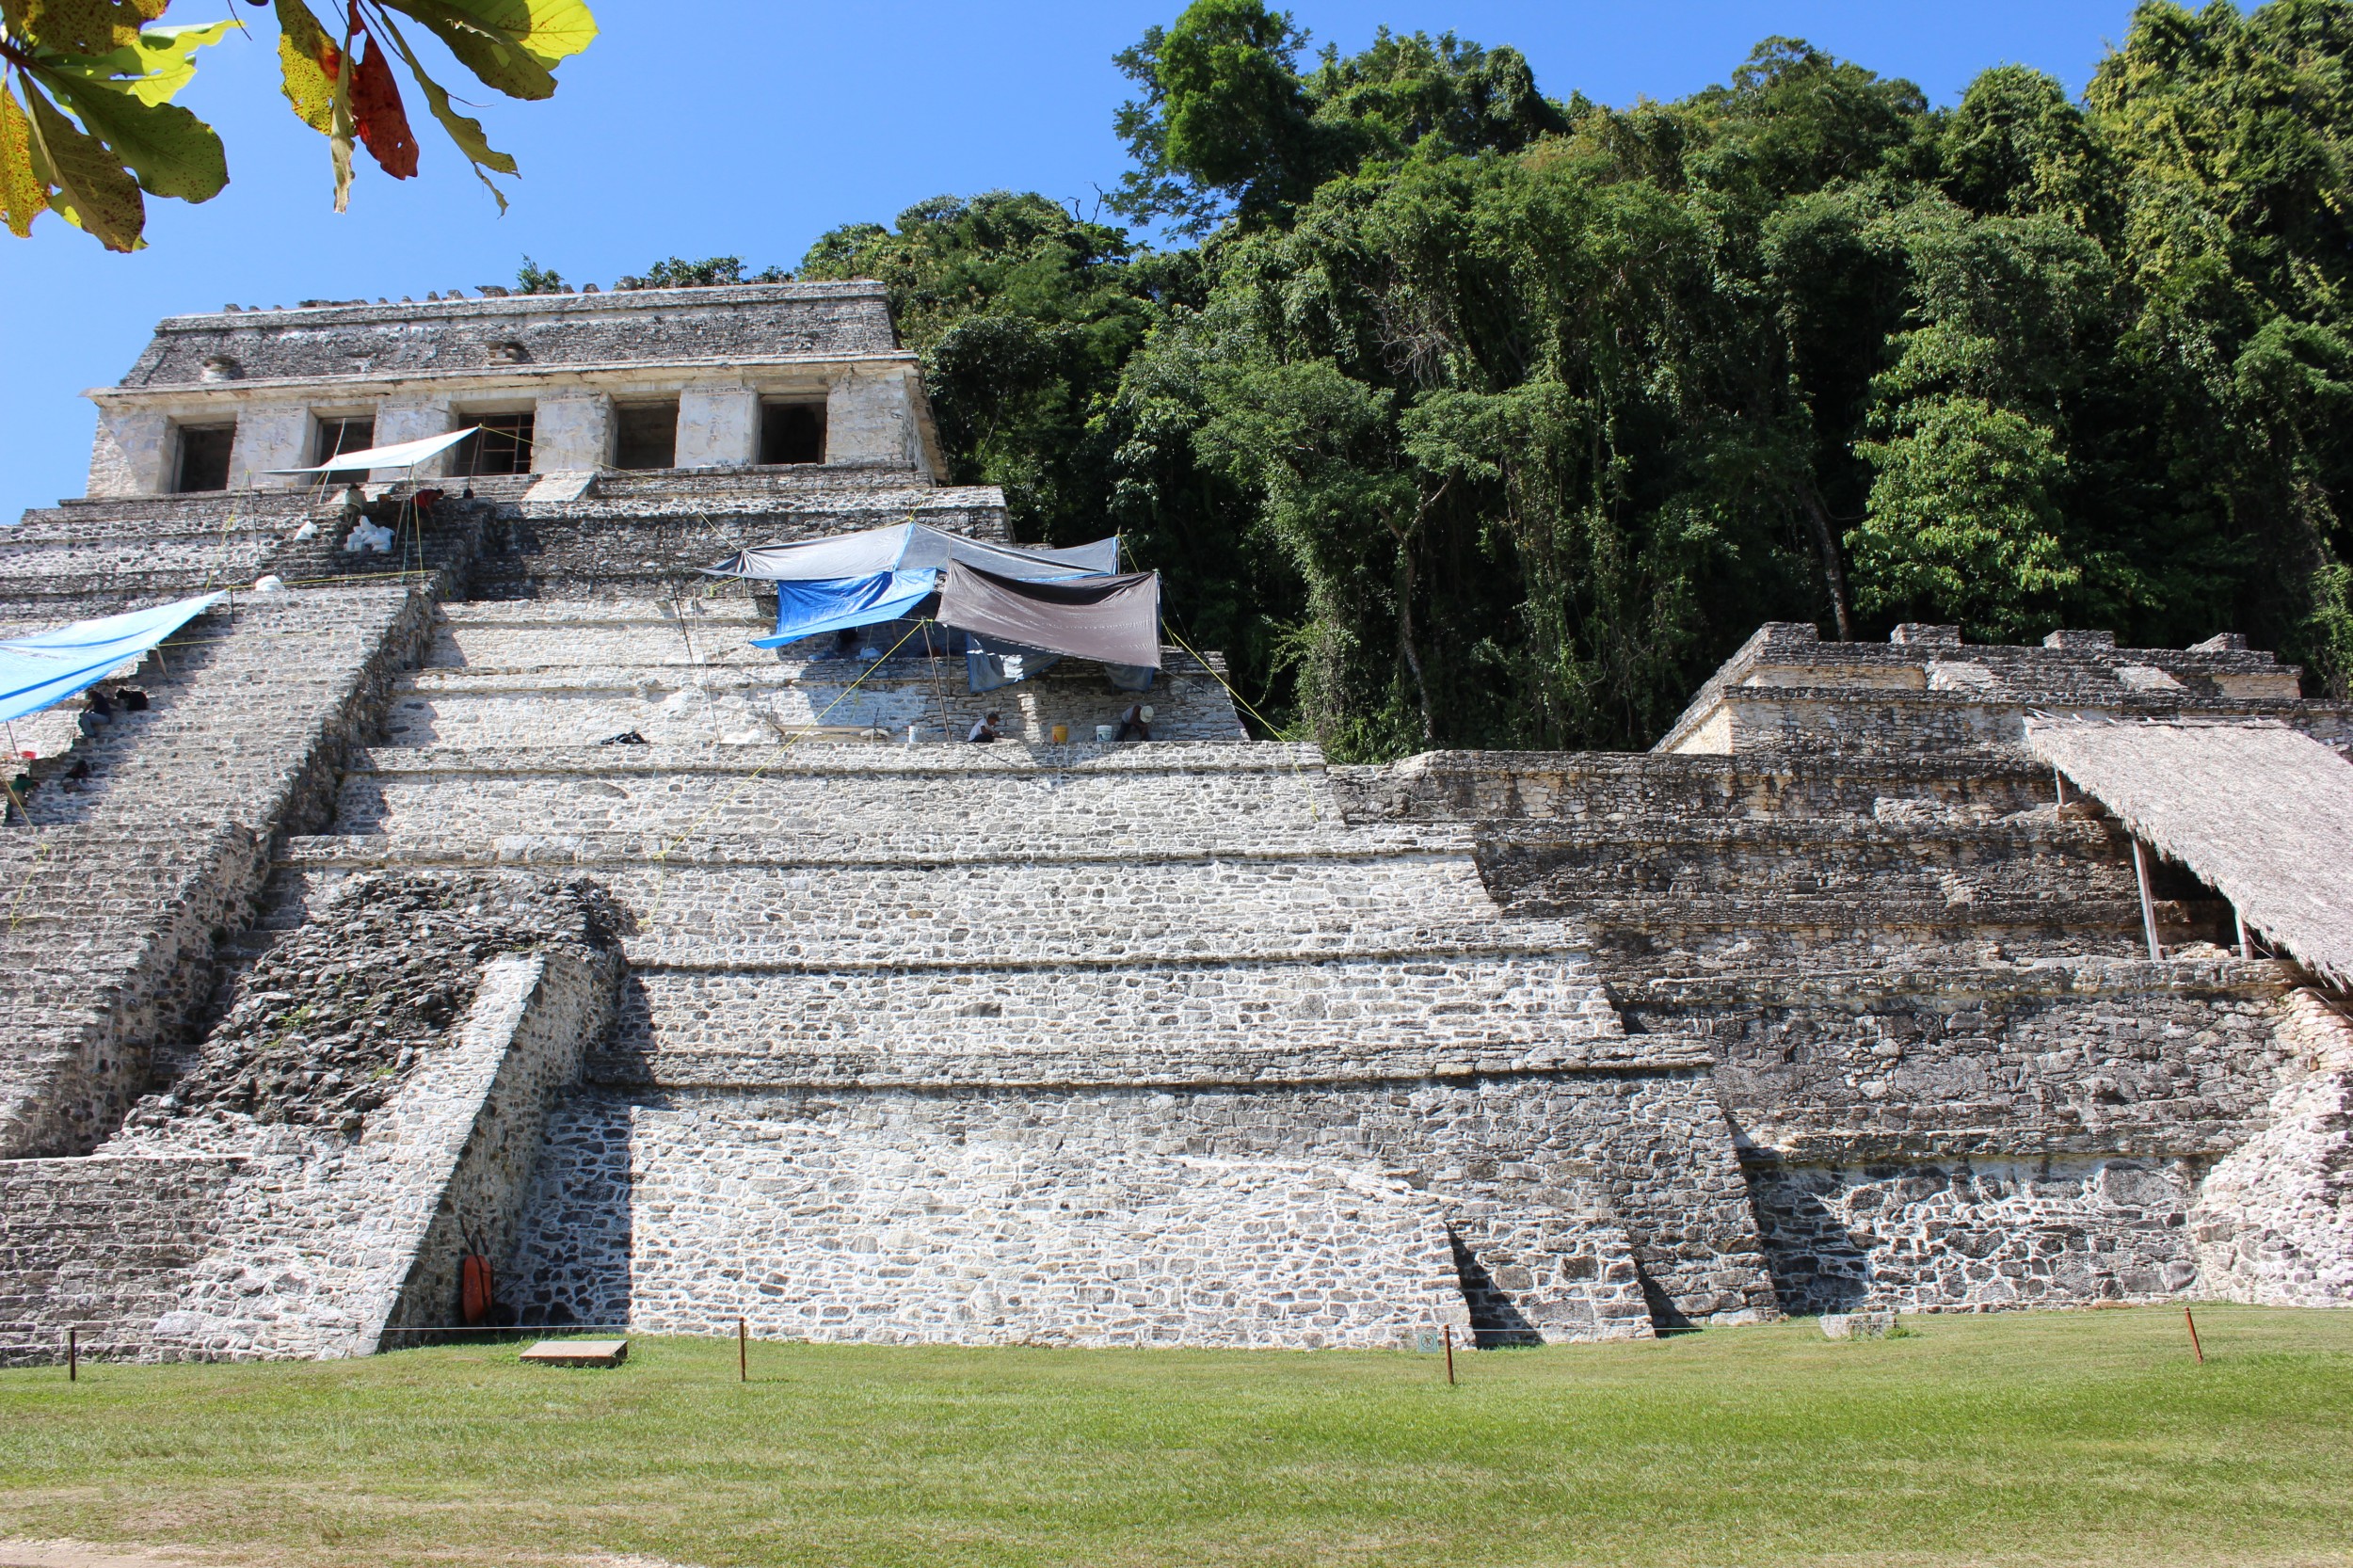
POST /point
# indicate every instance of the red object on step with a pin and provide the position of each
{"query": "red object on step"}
(475, 1290)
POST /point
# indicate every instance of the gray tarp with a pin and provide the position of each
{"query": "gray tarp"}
(911, 546)
(1114, 619)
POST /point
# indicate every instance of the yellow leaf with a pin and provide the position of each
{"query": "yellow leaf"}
(80, 27)
(24, 196)
(304, 52)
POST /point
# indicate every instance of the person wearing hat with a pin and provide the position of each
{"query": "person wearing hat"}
(1136, 723)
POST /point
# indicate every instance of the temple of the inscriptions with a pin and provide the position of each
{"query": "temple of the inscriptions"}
(472, 867)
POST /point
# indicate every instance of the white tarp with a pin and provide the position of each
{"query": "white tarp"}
(404, 455)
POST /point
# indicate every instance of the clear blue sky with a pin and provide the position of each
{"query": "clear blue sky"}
(701, 127)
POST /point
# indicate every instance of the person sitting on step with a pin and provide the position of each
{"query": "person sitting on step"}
(984, 731)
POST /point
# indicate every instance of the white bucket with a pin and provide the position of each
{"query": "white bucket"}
(1104, 732)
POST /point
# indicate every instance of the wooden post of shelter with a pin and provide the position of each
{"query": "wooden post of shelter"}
(2148, 908)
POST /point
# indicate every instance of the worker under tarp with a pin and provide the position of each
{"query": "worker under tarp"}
(45, 668)
(911, 546)
(1116, 620)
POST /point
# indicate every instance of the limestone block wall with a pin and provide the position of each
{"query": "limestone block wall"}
(103, 1246)
(888, 1223)
(1958, 1080)
(1977, 1235)
(2274, 1221)
(1565, 1194)
(641, 540)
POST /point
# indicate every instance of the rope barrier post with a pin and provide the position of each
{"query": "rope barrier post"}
(2195, 1348)
(72, 1355)
(1446, 1331)
(742, 1353)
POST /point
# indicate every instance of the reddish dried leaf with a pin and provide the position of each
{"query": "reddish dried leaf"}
(375, 107)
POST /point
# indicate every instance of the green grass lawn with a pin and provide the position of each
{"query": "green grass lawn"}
(2035, 1438)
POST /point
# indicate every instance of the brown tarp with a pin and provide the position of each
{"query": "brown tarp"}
(1115, 619)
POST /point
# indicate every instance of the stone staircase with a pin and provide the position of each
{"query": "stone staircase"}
(1074, 1044)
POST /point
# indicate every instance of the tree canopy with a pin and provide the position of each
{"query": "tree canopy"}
(1470, 416)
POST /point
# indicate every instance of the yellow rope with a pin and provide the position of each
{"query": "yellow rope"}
(41, 853)
(1314, 810)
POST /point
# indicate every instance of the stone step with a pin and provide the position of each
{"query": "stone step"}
(744, 707)
(1649, 787)
(1396, 1017)
(1127, 799)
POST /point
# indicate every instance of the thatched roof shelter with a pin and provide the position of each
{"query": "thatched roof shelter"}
(2262, 812)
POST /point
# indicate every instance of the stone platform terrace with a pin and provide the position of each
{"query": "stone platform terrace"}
(1085, 1043)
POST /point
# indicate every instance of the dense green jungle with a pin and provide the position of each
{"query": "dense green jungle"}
(1462, 415)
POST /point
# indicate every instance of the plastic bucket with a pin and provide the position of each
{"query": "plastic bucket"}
(1062, 734)
(1104, 732)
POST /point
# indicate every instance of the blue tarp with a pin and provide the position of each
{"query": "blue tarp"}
(45, 668)
(807, 609)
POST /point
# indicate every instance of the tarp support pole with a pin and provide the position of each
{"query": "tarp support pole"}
(2245, 943)
(2148, 908)
(2058, 783)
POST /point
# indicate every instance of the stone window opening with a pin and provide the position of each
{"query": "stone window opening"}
(502, 445)
(645, 435)
(792, 432)
(340, 435)
(204, 453)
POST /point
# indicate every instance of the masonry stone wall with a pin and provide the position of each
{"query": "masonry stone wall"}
(1958, 1078)
(370, 1107)
(2274, 1221)
(1570, 1195)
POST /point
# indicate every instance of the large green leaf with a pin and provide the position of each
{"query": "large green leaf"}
(93, 191)
(172, 152)
(499, 58)
(24, 196)
(510, 44)
(153, 69)
(466, 133)
(307, 61)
